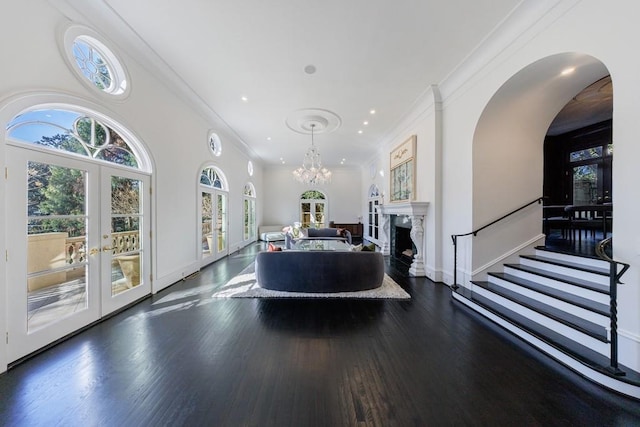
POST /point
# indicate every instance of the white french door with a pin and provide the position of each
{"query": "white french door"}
(71, 225)
(125, 235)
(214, 223)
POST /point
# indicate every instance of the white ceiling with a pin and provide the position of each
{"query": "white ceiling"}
(373, 54)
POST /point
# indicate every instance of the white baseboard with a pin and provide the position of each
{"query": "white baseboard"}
(629, 349)
(526, 246)
(434, 274)
(160, 283)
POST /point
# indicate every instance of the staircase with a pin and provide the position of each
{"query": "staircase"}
(559, 303)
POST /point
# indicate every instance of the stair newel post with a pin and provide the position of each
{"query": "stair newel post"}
(455, 262)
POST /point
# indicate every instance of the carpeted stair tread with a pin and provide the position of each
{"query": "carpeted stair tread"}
(577, 351)
(589, 328)
(568, 264)
(587, 284)
(567, 297)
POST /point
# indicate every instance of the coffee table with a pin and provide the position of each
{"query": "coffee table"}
(321, 244)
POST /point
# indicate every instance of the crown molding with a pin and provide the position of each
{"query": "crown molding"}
(104, 20)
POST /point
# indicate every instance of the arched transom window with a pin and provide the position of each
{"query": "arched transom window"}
(212, 177)
(249, 190)
(75, 132)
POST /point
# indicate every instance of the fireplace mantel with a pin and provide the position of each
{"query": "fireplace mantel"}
(405, 208)
(416, 211)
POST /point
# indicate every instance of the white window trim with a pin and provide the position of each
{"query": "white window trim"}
(122, 82)
(218, 150)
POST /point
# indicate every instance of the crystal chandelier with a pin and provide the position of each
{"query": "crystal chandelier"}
(312, 172)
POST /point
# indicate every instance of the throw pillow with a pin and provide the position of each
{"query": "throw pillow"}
(371, 247)
(273, 248)
(356, 248)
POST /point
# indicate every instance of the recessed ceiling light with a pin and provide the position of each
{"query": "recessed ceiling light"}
(360, 131)
(310, 69)
(568, 71)
(365, 123)
(244, 99)
(268, 138)
(372, 111)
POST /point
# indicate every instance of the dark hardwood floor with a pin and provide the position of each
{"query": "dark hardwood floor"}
(585, 246)
(183, 358)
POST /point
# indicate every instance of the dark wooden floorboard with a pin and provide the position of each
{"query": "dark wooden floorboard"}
(183, 358)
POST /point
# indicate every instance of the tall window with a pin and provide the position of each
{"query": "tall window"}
(313, 208)
(249, 207)
(213, 213)
(591, 172)
(373, 215)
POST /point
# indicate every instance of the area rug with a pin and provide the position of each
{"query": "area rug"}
(244, 285)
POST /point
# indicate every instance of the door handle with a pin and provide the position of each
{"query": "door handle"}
(107, 248)
(94, 251)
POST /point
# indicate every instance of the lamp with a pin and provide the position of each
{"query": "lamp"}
(312, 172)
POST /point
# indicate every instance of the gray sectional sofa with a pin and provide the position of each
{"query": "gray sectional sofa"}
(319, 271)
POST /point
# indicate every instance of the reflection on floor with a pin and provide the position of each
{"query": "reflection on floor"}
(52, 303)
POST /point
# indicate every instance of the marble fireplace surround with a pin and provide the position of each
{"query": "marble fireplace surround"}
(416, 211)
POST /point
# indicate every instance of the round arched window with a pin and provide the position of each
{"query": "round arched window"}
(94, 63)
(215, 145)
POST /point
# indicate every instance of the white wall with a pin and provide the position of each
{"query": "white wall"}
(493, 126)
(508, 150)
(173, 131)
(574, 27)
(281, 203)
(425, 123)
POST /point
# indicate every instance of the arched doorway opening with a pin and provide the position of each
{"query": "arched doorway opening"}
(508, 154)
(578, 166)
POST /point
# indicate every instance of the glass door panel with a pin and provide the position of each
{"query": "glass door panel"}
(214, 223)
(50, 269)
(125, 261)
(206, 212)
(56, 209)
(252, 219)
(585, 184)
(221, 223)
(125, 234)
(249, 206)
(319, 214)
(305, 214)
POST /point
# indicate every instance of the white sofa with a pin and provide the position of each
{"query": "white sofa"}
(271, 233)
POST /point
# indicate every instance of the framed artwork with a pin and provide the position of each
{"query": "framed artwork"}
(402, 167)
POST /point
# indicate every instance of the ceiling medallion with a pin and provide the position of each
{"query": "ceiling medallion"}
(323, 121)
